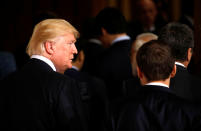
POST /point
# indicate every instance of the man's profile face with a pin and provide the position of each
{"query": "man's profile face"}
(64, 52)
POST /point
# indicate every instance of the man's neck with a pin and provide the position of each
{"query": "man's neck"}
(159, 82)
(46, 60)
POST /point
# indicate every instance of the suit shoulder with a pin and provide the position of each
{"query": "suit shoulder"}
(58, 76)
(60, 80)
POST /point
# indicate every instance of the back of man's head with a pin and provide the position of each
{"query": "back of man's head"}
(112, 20)
(140, 40)
(155, 60)
(143, 38)
(179, 37)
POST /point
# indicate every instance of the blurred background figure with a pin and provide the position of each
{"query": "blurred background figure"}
(91, 44)
(163, 10)
(114, 64)
(140, 40)
(130, 85)
(180, 38)
(93, 93)
(7, 64)
(147, 19)
(187, 16)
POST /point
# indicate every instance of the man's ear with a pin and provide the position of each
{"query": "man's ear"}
(189, 55)
(139, 73)
(81, 56)
(49, 47)
(174, 71)
(104, 32)
(79, 61)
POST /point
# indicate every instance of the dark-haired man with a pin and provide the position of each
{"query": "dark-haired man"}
(180, 38)
(155, 107)
(114, 65)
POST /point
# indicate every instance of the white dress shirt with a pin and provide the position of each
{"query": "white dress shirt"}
(157, 84)
(125, 37)
(46, 60)
(178, 63)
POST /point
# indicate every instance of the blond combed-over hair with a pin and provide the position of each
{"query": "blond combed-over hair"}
(47, 30)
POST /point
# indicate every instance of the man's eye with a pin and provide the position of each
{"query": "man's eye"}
(70, 44)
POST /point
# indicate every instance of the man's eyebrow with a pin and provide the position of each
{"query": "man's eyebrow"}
(73, 41)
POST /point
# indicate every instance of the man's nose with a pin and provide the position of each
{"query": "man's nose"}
(74, 49)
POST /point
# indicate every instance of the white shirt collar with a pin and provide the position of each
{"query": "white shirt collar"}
(125, 37)
(157, 84)
(96, 41)
(178, 63)
(46, 60)
(74, 67)
(152, 28)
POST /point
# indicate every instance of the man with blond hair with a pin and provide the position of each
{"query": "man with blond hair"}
(39, 97)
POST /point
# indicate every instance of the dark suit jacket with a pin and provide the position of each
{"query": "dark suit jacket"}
(38, 99)
(92, 53)
(114, 67)
(156, 108)
(94, 98)
(131, 85)
(186, 85)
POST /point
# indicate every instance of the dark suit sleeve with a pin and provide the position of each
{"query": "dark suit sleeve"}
(195, 117)
(196, 124)
(69, 109)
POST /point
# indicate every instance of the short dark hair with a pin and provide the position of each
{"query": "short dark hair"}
(179, 37)
(112, 20)
(155, 60)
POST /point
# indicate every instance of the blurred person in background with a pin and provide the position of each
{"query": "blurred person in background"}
(114, 64)
(147, 19)
(180, 38)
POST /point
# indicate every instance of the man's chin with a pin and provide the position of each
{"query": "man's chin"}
(69, 66)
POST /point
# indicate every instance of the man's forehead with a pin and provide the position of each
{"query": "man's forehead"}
(67, 37)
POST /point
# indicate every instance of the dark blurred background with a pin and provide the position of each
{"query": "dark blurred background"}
(18, 17)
